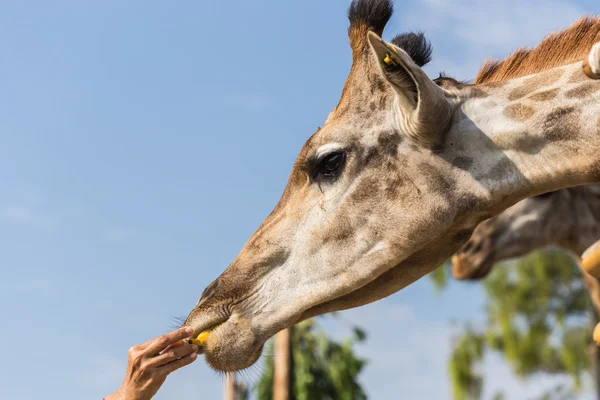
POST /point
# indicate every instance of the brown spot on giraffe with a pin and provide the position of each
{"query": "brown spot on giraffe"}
(434, 178)
(519, 112)
(499, 170)
(519, 93)
(389, 141)
(366, 189)
(495, 85)
(342, 232)
(477, 93)
(392, 187)
(386, 150)
(463, 162)
(583, 90)
(578, 76)
(441, 213)
(529, 144)
(545, 78)
(562, 124)
(532, 84)
(544, 95)
(373, 157)
(468, 202)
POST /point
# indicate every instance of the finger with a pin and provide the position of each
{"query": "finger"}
(175, 365)
(176, 344)
(158, 344)
(172, 355)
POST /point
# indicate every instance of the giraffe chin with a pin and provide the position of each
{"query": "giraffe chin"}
(232, 346)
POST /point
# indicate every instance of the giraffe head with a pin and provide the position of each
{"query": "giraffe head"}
(390, 183)
(568, 218)
(524, 227)
(338, 223)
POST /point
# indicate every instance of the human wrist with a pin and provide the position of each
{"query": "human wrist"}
(119, 394)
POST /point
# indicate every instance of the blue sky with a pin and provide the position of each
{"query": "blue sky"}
(141, 144)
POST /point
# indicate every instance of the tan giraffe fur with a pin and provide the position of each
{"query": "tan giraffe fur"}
(395, 181)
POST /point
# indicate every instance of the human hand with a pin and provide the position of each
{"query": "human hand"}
(150, 363)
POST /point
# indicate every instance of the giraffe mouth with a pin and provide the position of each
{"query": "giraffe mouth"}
(204, 325)
(465, 269)
(482, 271)
(201, 339)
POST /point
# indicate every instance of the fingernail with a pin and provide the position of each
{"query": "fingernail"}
(193, 356)
(194, 347)
(188, 330)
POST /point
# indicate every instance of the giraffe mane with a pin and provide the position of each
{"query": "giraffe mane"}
(557, 49)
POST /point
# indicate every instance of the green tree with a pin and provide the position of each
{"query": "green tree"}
(539, 319)
(321, 367)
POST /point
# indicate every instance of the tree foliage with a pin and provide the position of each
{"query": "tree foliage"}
(539, 319)
(468, 350)
(321, 368)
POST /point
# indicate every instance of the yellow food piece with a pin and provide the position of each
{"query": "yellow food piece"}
(591, 260)
(201, 339)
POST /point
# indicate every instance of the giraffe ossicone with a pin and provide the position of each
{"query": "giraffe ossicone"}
(591, 64)
(417, 164)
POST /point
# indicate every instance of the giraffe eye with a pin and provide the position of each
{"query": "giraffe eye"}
(330, 165)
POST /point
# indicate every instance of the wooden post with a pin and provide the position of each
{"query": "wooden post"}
(283, 363)
(229, 386)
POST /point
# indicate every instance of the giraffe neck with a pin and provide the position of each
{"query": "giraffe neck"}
(530, 135)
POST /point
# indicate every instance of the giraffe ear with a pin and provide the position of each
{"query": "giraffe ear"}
(426, 112)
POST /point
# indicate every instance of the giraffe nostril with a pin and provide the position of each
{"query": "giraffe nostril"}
(210, 290)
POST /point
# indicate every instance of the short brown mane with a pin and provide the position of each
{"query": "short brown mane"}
(559, 48)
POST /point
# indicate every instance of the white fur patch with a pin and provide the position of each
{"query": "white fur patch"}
(328, 148)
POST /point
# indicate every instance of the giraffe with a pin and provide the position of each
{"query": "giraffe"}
(399, 175)
(567, 218)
